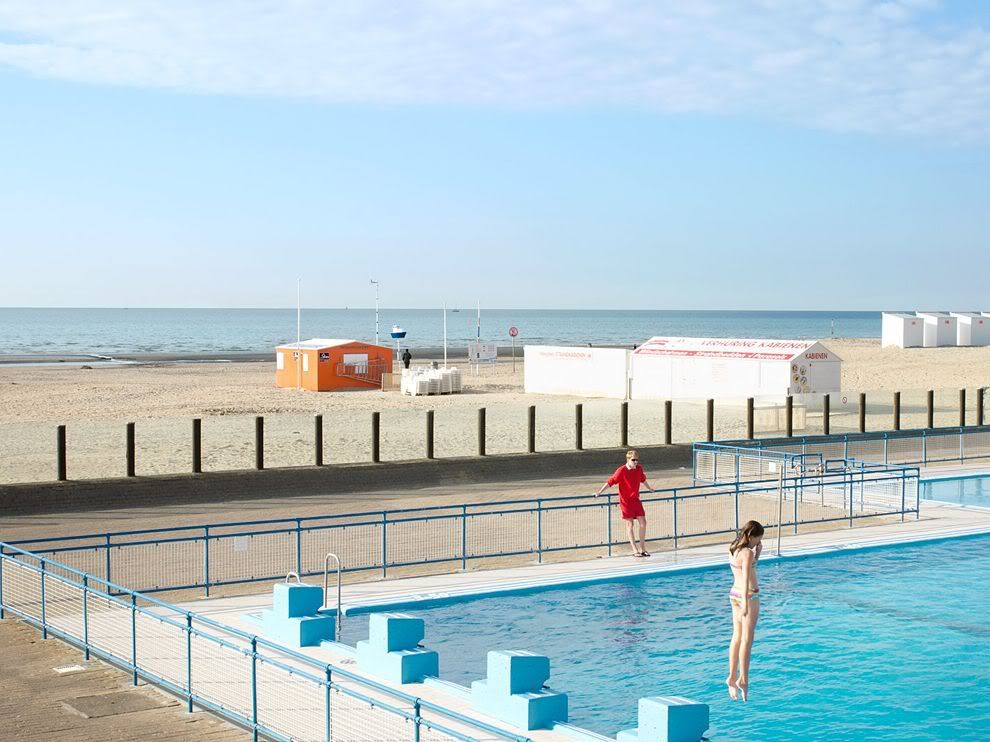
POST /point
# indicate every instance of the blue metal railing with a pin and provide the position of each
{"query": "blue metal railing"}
(930, 445)
(20, 570)
(210, 555)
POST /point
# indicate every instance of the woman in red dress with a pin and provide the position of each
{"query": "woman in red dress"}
(629, 477)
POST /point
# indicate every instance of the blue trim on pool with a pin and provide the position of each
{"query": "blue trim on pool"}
(952, 477)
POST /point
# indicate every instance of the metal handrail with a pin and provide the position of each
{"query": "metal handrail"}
(326, 588)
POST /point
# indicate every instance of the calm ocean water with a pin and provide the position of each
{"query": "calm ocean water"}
(121, 331)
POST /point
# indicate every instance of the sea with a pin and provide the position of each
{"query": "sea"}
(113, 332)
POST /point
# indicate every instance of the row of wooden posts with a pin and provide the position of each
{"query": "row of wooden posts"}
(259, 430)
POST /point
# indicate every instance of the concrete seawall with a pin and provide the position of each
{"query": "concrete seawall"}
(212, 487)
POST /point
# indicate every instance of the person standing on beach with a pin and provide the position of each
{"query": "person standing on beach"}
(629, 476)
(406, 357)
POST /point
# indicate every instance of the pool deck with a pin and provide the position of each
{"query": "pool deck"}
(937, 521)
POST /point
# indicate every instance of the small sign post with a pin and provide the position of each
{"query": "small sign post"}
(513, 331)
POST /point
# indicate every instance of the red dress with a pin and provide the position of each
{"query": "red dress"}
(629, 481)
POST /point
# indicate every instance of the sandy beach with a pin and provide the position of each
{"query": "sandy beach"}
(162, 398)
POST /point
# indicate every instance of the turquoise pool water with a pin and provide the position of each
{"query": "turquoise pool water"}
(964, 490)
(890, 644)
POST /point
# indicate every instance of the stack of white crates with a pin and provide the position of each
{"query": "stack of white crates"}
(423, 381)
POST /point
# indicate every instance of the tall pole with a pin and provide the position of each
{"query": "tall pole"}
(375, 283)
(445, 334)
(298, 333)
(479, 321)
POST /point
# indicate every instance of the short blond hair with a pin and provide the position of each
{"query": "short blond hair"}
(632, 454)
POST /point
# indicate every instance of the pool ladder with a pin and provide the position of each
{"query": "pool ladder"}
(326, 588)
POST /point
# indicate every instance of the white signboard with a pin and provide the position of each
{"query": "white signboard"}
(482, 352)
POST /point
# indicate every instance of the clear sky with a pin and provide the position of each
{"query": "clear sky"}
(723, 154)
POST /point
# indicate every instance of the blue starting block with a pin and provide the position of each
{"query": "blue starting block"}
(393, 650)
(295, 618)
(514, 691)
(668, 719)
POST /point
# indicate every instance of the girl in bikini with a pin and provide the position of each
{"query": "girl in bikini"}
(745, 600)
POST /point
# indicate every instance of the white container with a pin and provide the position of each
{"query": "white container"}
(972, 328)
(940, 329)
(901, 330)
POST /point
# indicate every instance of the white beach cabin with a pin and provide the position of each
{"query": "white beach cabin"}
(900, 330)
(701, 368)
(940, 329)
(972, 328)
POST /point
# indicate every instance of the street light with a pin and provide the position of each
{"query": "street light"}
(375, 283)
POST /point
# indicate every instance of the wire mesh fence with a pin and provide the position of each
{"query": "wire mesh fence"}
(279, 693)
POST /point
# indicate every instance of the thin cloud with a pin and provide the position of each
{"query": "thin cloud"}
(848, 65)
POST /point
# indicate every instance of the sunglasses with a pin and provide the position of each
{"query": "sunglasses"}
(635, 461)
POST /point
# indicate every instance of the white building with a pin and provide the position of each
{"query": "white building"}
(972, 328)
(902, 330)
(580, 372)
(940, 329)
(685, 368)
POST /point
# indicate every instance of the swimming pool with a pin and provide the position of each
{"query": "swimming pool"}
(888, 644)
(971, 490)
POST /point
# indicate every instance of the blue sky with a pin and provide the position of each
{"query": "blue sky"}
(756, 154)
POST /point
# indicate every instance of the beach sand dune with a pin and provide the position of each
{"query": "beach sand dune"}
(161, 399)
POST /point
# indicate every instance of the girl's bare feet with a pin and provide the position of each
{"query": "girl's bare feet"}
(743, 685)
(733, 689)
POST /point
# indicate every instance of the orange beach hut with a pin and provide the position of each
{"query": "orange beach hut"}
(323, 365)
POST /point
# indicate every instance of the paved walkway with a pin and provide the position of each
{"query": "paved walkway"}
(13, 528)
(35, 700)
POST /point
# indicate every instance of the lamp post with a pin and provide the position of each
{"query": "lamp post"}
(375, 283)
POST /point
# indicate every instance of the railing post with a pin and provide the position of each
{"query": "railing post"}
(826, 414)
(675, 520)
(897, 410)
(481, 431)
(384, 544)
(668, 429)
(259, 442)
(85, 616)
(710, 420)
(962, 408)
(206, 559)
(539, 531)
(299, 565)
(790, 415)
(737, 499)
(531, 428)
(750, 428)
(197, 445)
(429, 434)
(862, 412)
(924, 447)
(624, 425)
(130, 450)
(464, 538)
(931, 408)
(189, 690)
(979, 405)
(376, 437)
(796, 513)
(326, 700)
(60, 468)
(608, 522)
(134, 670)
(44, 615)
(254, 688)
(579, 427)
(318, 440)
(417, 718)
(903, 494)
(107, 547)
